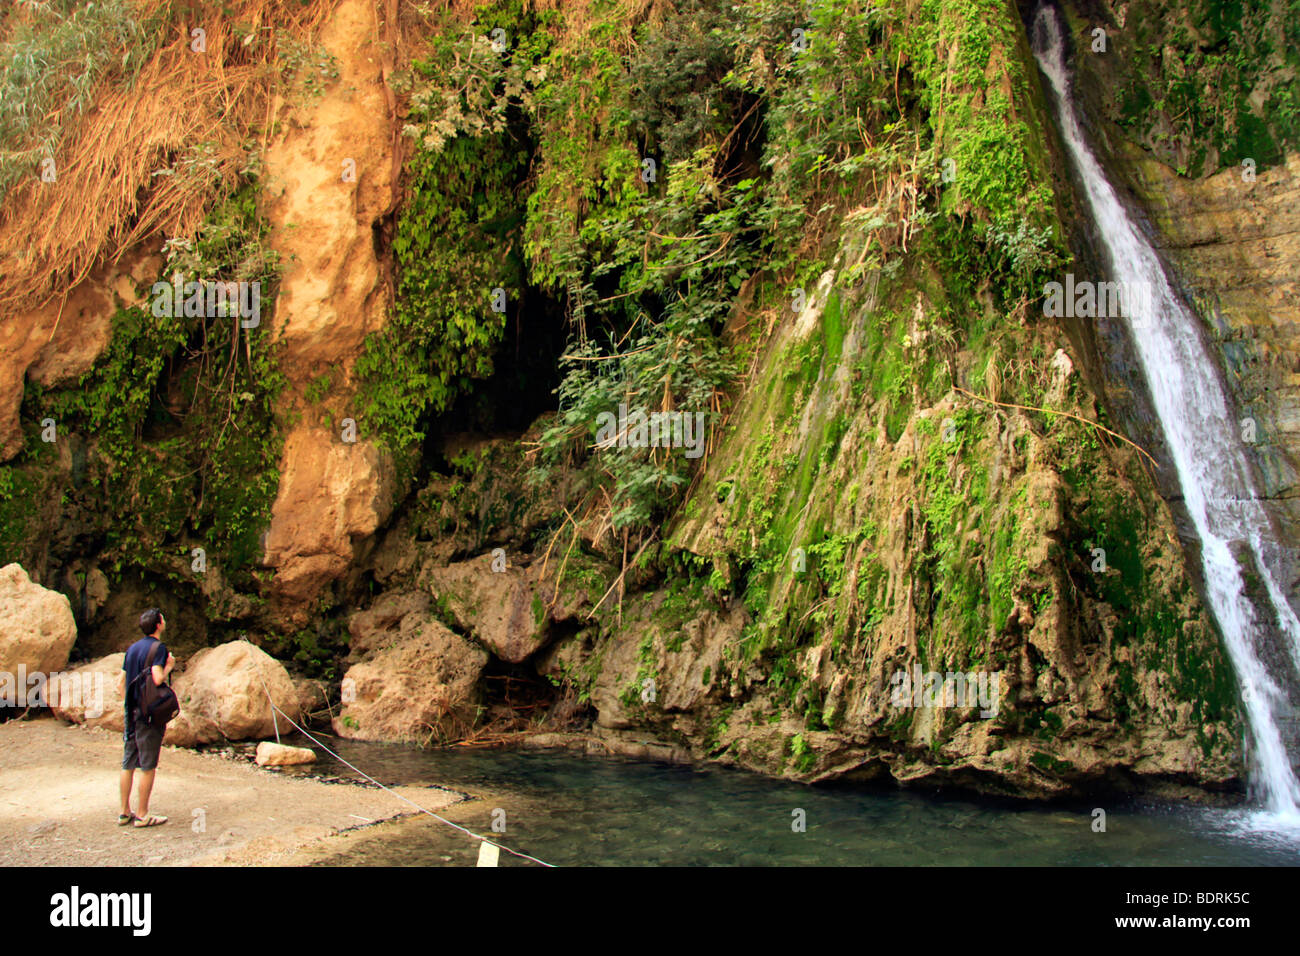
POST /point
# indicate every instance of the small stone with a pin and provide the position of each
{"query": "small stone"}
(280, 755)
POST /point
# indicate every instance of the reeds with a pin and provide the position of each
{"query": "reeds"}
(154, 151)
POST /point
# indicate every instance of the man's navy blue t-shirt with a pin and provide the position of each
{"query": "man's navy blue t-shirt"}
(134, 667)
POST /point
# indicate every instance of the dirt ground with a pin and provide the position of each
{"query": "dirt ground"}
(59, 804)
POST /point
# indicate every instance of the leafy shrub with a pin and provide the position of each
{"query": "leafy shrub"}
(181, 410)
(457, 238)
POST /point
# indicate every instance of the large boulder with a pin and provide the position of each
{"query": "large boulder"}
(510, 609)
(226, 687)
(501, 608)
(421, 683)
(380, 623)
(188, 729)
(90, 694)
(39, 629)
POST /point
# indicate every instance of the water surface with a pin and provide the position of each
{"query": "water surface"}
(572, 810)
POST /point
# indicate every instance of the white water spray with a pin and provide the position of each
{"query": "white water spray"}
(1203, 442)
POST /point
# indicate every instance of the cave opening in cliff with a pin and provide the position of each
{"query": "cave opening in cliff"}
(517, 698)
(525, 370)
(514, 696)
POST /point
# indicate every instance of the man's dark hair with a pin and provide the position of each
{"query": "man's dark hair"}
(149, 621)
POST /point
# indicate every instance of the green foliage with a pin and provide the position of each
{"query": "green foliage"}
(458, 237)
(834, 127)
(670, 254)
(1008, 565)
(316, 653)
(306, 67)
(751, 143)
(181, 411)
(975, 85)
(21, 492)
(801, 754)
(1210, 83)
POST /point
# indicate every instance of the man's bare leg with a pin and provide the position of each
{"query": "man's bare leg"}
(142, 797)
(125, 788)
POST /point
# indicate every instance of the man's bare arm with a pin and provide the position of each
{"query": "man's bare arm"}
(160, 673)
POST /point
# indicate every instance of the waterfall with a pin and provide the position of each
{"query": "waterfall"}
(1204, 444)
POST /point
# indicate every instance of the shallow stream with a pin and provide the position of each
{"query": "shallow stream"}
(571, 810)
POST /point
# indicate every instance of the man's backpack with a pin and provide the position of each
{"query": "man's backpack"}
(158, 703)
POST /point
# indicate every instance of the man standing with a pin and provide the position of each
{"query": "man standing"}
(141, 741)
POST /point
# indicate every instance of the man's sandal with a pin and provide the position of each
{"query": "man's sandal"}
(124, 818)
(150, 821)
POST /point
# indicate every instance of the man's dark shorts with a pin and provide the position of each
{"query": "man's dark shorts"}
(141, 748)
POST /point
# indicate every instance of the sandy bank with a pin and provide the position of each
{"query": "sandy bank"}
(59, 804)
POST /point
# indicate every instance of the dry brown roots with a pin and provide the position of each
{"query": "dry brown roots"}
(112, 190)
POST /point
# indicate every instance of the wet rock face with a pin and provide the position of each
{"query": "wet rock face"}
(1237, 248)
(1228, 234)
(1218, 179)
(39, 629)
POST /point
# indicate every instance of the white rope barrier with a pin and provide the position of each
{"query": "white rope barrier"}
(305, 733)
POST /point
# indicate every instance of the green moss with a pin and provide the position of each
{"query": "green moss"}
(178, 415)
(1209, 76)
(1049, 764)
(21, 488)
(967, 57)
(955, 490)
(801, 755)
(1008, 566)
(457, 241)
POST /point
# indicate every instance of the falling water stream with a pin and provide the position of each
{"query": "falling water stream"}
(1202, 438)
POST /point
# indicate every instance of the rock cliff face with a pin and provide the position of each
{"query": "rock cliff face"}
(330, 184)
(914, 550)
(1237, 248)
(60, 341)
(962, 546)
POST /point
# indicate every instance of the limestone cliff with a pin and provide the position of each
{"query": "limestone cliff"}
(481, 229)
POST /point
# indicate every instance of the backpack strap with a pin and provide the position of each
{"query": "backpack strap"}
(148, 661)
(148, 669)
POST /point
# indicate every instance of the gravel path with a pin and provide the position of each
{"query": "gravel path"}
(59, 804)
